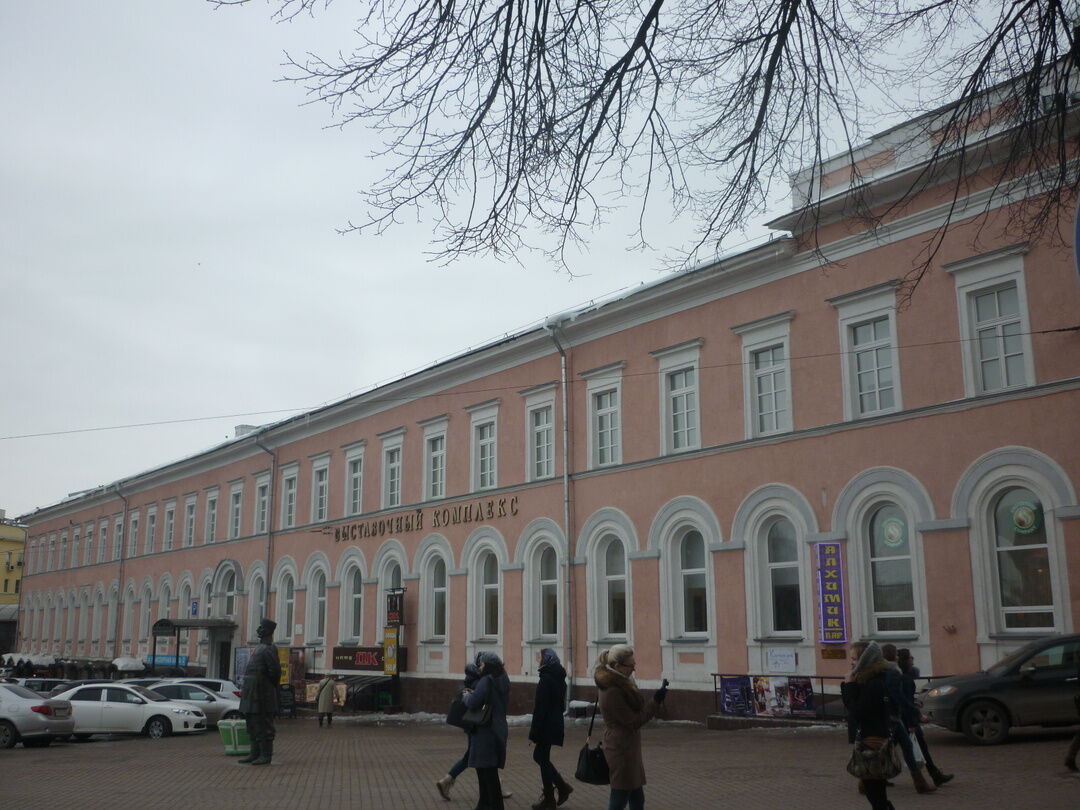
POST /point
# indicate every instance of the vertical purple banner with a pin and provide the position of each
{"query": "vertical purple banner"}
(831, 593)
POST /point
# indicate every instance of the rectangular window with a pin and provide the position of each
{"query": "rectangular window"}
(872, 360)
(262, 506)
(169, 527)
(606, 427)
(236, 504)
(485, 455)
(769, 371)
(320, 476)
(88, 546)
(392, 477)
(435, 464)
(354, 482)
(118, 538)
(211, 517)
(288, 501)
(542, 442)
(103, 540)
(682, 408)
(151, 524)
(189, 522)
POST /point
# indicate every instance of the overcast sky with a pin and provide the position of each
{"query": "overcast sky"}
(168, 247)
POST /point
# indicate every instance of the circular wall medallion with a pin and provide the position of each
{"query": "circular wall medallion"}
(893, 532)
(1026, 517)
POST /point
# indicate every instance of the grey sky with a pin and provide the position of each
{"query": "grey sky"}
(167, 242)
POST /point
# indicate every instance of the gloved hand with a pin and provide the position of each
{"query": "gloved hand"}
(661, 693)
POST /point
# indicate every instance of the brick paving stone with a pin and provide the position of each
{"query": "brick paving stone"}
(361, 764)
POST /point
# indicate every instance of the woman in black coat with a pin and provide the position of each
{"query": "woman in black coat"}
(870, 709)
(487, 743)
(547, 727)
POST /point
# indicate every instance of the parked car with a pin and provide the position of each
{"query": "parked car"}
(41, 685)
(219, 686)
(115, 708)
(147, 682)
(28, 717)
(1033, 686)
(64, 686)
(214, 706)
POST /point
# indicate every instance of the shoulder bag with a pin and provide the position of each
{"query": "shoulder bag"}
(867, 762)
(456, 714)
(592, 767)
(479, 717)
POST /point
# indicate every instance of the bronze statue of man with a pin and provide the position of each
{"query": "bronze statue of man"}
(259, 698)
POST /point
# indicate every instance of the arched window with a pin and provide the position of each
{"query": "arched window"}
(782, 561)
(256, 600)
(228, 589)
(613, 579)
(437, 619)
(146, 620)
(184, 610)
(351, 609)
(489, 595)
(693, 590)
(207, 604)
(286, 605)
(548, 592)
(892, 596)
(125, 629)
(318, 605)
(61, 560)
(164, 605)
(1022, 559)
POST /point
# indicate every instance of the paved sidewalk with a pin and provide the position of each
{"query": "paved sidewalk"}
(355, 764)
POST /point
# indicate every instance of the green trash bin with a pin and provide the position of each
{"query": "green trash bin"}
(235, 737)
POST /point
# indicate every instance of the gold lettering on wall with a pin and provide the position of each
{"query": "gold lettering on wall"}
(435, 517)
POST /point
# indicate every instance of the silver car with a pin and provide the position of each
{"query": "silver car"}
(219, 686)
(27, 716)
(214, 706)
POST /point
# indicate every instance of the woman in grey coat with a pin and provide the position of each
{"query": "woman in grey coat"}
(487, 743)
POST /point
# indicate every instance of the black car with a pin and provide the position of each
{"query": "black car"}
(1034, 686)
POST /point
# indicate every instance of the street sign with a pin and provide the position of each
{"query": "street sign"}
(194, 608)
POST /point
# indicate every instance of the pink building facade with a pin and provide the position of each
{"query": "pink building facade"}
(733, 470)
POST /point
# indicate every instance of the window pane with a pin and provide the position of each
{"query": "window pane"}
(1024, 577)
(986, 306)
(549, 610)
(693, 551)
(892, 586)
(616, 606)
(1028, 620)
(438, 618)
(888, 533)
(889, 624)
(695, 618)
(786, 610)
(491, 570)
(438, 574)
(614, 561)
(548, 569)
(491, 611)
(1007, 301)
(781, 542)
(1018, 519)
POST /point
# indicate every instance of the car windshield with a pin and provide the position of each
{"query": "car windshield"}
(149, 694)
(21, 691)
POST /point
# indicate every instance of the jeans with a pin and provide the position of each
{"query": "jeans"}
(459, 766)
(619, 798)
(549, 776)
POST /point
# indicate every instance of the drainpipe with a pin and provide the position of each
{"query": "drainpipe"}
(552, 327)
(125, 543)
(269, 519)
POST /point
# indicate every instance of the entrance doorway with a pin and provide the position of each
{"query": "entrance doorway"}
(224, 658)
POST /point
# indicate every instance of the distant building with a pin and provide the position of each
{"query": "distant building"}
(735, 470)
(12, 545)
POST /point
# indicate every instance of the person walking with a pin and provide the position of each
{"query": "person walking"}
(324, 700)
(901, 709)
(472, 675)
(259, 696)
(487, 743)
(625, 710)
(869, 705)
(546, 728)
(912, 715)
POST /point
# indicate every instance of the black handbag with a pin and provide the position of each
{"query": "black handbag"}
(875, 763)
(456, 713)
(477, 718)
(592, 767)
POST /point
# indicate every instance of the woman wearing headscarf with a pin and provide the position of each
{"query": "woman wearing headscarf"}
(487, 743)
(472, 675)
(870, 710)
(625, 710)
(546, 729)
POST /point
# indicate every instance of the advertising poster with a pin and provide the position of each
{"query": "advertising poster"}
(735, 695)
(801, 696)
(762, 691)
(831, 593)
(390, 648)
(771, 696)
(240, 661)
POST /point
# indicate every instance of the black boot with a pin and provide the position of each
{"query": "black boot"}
(938, 777)
(320, 721)
(252, 755)
(266, 753)
(547, 800)
(563, 790)
(1070, 755)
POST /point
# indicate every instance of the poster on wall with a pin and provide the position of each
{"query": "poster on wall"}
(781, 659)
(735, 695)
(771, 698)
(241, 655)
(801, 696)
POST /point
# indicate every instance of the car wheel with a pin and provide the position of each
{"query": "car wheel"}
(8, 735)
(158, 727)
(985, 722)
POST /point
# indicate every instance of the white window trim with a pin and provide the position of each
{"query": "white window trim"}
(534, 596)
(681, 356)
(757, 335)
(855, 309)
(191, 514)
(168, 528)
(973, 275)
(537, 399)
(211, 510)
(353, 452)
(289, 472)
(477, 637)
(759, 591)
(103, 539)
(260, 516)
(150, 529)
(481, 415)
(392, 440)
(235, 528)
(427, 597)
(118, 539)
(320, 463)
(434, 428)
(133, 534)
(597, 381)
(285, 628)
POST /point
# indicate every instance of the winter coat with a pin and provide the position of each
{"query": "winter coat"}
(487, 744)
(625, 710)
(870, 701)
(259, 694)
(324, 696)
(548, 706)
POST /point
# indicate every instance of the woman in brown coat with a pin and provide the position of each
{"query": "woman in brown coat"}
(625, 710)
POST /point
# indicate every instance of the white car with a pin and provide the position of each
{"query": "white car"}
(214, 706)
(219, 686)
(120, 709)
(28, 717)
